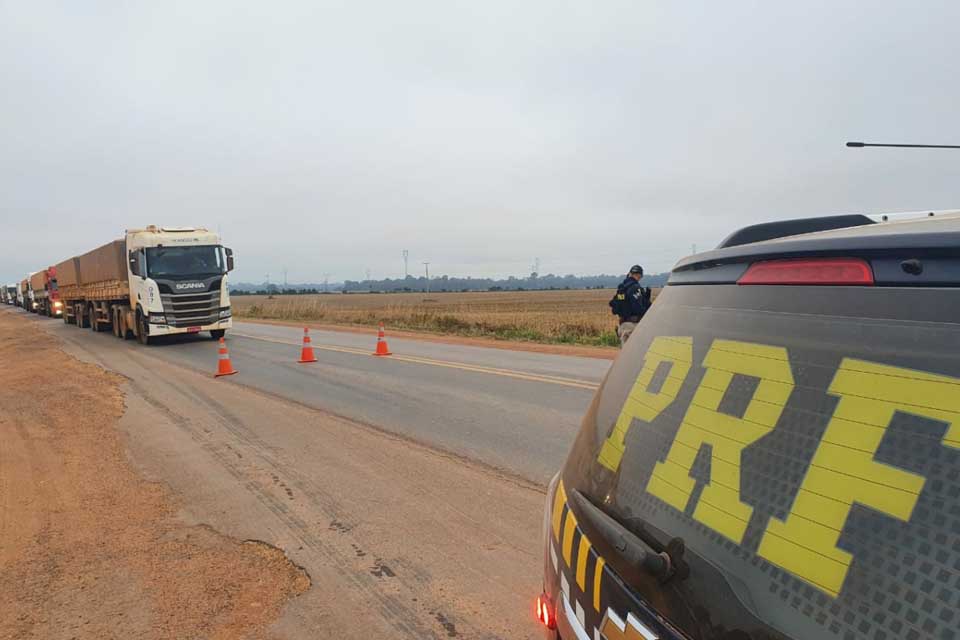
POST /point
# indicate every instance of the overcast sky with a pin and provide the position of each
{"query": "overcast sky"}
(326, 137)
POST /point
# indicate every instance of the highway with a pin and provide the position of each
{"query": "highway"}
(410, 487)
(512, 410)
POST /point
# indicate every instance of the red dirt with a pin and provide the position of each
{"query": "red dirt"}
(89, 549)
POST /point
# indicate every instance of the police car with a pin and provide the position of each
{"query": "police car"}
(776, 452)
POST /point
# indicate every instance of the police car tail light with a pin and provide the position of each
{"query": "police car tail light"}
(546, 614)
(810, 271)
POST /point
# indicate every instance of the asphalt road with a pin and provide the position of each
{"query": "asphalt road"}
(512, 410)
(411, 513)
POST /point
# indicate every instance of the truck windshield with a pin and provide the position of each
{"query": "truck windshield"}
(183, 262)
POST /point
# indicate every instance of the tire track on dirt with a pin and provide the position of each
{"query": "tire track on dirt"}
(411, 601)
(401, 617)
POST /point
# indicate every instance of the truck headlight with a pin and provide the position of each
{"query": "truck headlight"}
(57, 304)
(158, 318)
(225, 313)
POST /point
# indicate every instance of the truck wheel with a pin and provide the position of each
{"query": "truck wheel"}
(216, 334)
(81, 318)
(125, 332)
(94, 325)
(143, 326)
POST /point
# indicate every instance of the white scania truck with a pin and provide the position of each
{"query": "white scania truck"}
(155, 281)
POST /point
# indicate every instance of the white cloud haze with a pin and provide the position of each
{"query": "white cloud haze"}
(329, 136)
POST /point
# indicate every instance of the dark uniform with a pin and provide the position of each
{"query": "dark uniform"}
(630, 303)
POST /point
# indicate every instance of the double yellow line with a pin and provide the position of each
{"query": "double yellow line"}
(507, 373)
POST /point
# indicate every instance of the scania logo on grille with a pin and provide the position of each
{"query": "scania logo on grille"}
(180, 286)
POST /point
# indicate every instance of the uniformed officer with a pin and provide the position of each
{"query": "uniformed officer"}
(630, 303)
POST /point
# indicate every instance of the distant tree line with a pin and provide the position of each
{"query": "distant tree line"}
(446, 283)
(272, 290)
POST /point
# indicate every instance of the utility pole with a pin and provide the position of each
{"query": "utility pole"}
(284, 277)
(326, 282)
(426, 268)
(406, 258)
(535, 272)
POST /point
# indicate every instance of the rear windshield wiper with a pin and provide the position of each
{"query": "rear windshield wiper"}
(663, 565)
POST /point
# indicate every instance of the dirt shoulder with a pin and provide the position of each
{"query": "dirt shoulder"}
(88, 548)
(601, 353)
(401, 541)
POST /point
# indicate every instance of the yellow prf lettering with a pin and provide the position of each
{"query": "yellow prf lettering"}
(720, 507)
(843, 470)
(641, 403)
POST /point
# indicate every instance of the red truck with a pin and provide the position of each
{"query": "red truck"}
(44, 293)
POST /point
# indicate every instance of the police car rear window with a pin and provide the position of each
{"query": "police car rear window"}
(809, 455)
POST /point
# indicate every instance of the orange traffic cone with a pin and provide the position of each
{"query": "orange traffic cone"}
(224, 366)
(382, 348)
(306, 353)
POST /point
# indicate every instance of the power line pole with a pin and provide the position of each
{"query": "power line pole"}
(406, 258)
(326, 282)
(284, 277)
(426, 268)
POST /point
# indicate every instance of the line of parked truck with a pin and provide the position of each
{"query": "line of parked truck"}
(154, 281)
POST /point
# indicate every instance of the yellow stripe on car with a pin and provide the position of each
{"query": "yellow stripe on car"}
(583, 554)
(569, 527)
(559, 502)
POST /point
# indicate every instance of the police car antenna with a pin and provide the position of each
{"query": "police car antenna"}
(858, 145)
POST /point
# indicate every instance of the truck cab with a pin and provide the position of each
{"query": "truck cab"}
(46, 297)
(30, 299)
(54, 306)
(178, 281)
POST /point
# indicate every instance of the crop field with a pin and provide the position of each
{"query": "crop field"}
(568, 317)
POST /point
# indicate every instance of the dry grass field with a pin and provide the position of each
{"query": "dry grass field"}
(559, 317)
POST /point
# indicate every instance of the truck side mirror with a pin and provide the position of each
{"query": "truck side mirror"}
(134, 263)
(229, 253)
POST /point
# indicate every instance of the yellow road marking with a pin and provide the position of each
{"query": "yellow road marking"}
(509, 373)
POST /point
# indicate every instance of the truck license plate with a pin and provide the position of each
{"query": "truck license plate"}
(193, 330)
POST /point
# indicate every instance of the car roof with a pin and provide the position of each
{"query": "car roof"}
(939, 231)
